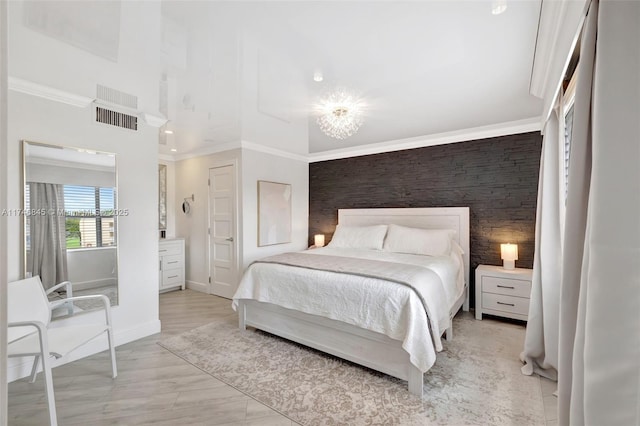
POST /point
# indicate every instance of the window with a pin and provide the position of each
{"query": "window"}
(568, 127)
(89, 216)
(568, 100)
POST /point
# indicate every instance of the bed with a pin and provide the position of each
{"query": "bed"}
(385, 311)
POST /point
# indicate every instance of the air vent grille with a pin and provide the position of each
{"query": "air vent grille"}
(117, 97)
(115, 118)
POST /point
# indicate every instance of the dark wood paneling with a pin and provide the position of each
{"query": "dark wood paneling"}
(496, 178)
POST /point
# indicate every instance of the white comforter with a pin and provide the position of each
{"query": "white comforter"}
(374, 304)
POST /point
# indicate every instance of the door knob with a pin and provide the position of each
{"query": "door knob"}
(229, 239)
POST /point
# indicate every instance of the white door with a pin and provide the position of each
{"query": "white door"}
(223, 273)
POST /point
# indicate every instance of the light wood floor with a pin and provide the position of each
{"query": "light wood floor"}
(156, 387)
(153, 385)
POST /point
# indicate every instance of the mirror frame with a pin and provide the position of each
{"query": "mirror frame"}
(24, 144)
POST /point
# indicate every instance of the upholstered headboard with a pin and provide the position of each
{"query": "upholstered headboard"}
(456, 218)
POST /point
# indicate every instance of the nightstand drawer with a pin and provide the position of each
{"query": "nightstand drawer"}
(499, 302)
(511, 287)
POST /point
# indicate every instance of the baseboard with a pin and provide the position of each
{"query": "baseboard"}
(18, 368)
(88, 285)
(196, 286)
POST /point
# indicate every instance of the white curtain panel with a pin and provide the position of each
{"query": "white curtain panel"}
(599, 341)
(47, 256)
(540, 353)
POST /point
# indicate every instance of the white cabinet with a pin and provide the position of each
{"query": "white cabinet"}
(171, 264)
(503, 292)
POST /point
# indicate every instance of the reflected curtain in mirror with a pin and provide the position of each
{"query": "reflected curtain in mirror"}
(46, 247)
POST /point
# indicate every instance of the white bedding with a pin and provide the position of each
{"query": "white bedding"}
(374, 304)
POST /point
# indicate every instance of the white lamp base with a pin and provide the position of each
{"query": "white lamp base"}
(509, 264)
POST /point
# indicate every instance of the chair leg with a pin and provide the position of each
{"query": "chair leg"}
(51, 399)
(112, 351)
(34, 369)
(48, 378)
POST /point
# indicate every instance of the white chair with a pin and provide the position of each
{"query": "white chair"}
(30, 334)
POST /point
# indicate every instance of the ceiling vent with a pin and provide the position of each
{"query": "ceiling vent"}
(116, 97)
(116, 108)
(116, 118)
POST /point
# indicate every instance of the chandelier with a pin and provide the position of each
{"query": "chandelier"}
(340, 114)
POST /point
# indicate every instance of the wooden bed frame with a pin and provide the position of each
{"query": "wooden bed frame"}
(364, 347)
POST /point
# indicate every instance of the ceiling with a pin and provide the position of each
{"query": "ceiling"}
(243, 71)
(421, 68)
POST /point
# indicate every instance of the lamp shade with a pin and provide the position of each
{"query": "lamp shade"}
(509, 255)
(318, 240)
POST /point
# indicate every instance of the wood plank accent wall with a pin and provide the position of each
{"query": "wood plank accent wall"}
(497, 178)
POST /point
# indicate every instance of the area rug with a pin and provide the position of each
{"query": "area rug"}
(476, 379)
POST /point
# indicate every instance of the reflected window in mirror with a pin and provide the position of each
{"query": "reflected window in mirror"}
(71, 215)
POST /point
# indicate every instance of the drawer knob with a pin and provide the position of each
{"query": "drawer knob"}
(506, 286)
(508, 304)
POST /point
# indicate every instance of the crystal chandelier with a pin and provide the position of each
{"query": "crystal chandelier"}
(340, 114)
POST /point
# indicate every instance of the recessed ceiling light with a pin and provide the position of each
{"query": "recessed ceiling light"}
(174, 150)
(498, 6)
(168, 132)
(317, 76)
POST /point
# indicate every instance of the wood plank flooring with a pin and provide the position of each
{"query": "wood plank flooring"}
(153, 385)
(156, 387)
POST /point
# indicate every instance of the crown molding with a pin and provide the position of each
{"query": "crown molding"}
(68, 98)
(208, 150)
(166, 157)
(558, 32)
(509, 128)
(46, 92)
(273, 151)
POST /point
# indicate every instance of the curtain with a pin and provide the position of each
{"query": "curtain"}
(48, 247)
(599, 337)
(540, 353)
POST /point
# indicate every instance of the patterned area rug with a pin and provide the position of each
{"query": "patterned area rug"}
(476, 379)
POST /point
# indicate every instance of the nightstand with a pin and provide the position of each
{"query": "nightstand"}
(503, 292)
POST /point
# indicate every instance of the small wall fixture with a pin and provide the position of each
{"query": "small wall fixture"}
(509, 255)
(318, 240)
(186, 207)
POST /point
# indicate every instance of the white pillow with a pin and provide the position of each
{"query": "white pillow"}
(430, 242)
(364, 237)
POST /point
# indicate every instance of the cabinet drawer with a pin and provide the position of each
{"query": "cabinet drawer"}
(172, 276)
(500, 302)
(507, 286)
(172, 262)
(169, 249)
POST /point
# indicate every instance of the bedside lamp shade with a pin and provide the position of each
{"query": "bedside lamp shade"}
(509, 255)
(318, 240)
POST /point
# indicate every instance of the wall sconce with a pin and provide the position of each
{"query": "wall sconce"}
(318, 240)
(509, 255)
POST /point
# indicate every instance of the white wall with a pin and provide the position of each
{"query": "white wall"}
(260, 166)
(191, 177)
(64, 175)
(90, 268)
(47, 61)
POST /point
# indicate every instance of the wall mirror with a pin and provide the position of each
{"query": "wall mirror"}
(71, 219)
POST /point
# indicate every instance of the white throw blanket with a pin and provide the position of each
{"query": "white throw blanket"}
(376, 304)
